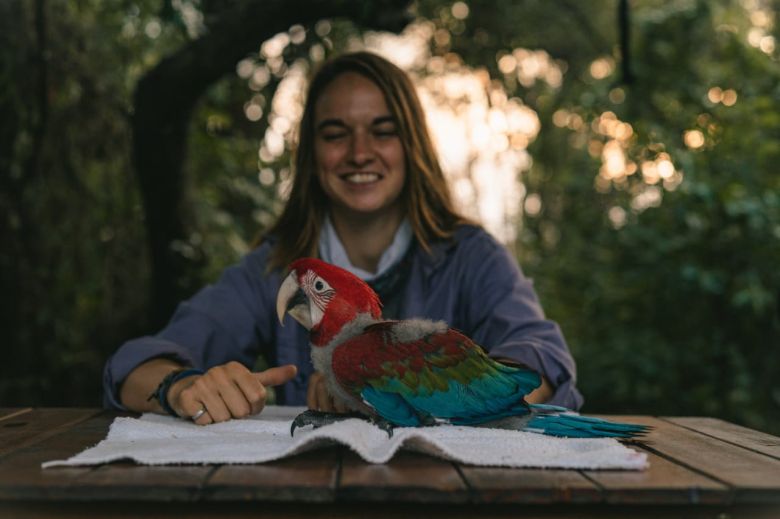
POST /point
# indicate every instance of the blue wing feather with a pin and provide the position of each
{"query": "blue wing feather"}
(391, 406)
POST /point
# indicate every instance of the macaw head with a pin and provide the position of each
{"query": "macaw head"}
(323, 298)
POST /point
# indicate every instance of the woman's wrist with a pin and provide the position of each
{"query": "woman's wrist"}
(163, 390)
(177, 387)
(140, 382)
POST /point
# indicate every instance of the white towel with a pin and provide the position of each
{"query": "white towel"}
(163, 440)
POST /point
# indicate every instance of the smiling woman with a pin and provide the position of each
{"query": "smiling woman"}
(362, 115)
(369, 196)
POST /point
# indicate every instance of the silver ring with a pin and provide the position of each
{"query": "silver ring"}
(198, 414)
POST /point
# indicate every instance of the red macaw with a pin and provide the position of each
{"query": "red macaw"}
(412, 372)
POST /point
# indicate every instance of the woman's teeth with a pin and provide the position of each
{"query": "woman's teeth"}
(362, 178)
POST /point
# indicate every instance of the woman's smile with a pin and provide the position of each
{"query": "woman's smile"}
(361, 178)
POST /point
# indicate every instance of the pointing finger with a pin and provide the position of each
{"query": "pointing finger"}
(277, 376)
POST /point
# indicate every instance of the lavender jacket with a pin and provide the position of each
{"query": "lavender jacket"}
(471, 282)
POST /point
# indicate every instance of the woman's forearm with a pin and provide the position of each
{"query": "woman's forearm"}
(142, 382)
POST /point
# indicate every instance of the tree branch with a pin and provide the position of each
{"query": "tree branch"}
(624, 24)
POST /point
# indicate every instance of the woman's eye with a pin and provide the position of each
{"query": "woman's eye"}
(386, 133)
(333, 136)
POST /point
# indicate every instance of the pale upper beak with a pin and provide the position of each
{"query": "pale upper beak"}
(291, 299)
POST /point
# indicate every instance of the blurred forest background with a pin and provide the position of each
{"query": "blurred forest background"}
(625, 150)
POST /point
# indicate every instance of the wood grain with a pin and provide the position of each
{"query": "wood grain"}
(407, 477)
(732, 433)
(529, 486)
(21, 475)
(10, 412)
(753, 477)
(128, 481)
(307, 477)
(27, 428)
(663, 482)
(354, 510)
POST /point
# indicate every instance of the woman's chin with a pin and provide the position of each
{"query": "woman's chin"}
(367, 208)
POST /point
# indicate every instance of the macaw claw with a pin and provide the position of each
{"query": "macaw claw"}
(383, 424)
(320, 418)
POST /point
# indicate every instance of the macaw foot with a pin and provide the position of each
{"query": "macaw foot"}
(320, 418)
(383, 424)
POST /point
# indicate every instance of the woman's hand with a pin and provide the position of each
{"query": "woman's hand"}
(318, 397)
(226, 391)
(541, 394)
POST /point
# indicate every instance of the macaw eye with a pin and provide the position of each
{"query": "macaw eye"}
(314, 283)
(320, 285)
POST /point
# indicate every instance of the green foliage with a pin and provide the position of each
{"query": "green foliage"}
(73, 258)
(675, 310)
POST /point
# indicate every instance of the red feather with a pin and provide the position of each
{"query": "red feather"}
(374, 354)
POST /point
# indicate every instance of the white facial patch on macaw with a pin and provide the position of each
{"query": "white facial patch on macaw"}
(319, 292)
(307, 310)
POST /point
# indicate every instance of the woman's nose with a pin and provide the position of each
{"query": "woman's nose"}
(362, 151)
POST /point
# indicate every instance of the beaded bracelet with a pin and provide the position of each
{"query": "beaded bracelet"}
(161, 393)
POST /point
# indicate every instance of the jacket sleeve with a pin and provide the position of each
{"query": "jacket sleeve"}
(228, 320)
(505, 317)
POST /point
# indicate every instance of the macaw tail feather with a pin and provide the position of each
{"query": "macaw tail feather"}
(559, 421)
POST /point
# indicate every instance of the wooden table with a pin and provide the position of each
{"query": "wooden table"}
(699, 467)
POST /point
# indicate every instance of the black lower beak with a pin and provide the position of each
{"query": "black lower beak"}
(299, 298)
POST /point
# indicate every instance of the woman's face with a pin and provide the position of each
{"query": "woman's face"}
(359, 156)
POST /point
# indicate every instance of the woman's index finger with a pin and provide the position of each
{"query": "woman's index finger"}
(277, 376)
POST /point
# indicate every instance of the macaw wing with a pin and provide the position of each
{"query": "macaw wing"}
(416, 371)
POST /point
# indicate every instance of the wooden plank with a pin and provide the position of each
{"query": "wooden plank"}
(407, 477)
(21, 475)
(307, 477)
(22, 478)
(754, 477)
(529, 486)
(10, 412)
(732, 433)
(126, 480)
(355, 510)
(663, 483)
(24, 429)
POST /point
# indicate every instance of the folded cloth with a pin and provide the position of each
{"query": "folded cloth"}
(162, 440)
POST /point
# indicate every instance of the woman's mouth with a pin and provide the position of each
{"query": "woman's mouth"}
(361, 178)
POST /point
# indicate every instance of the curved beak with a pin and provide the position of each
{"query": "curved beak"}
(291, 299)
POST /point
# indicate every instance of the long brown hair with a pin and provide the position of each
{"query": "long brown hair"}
(425, 196)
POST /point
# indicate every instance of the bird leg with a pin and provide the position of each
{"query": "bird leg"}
(383, 424)
(320, 418)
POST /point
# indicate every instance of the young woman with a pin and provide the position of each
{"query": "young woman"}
(368, 195)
